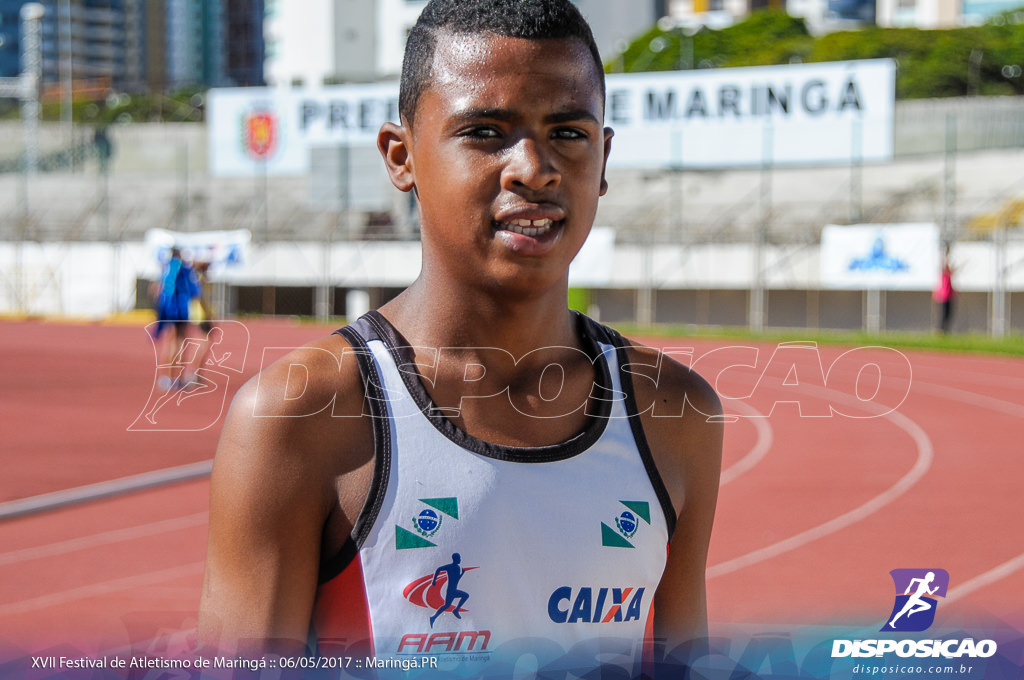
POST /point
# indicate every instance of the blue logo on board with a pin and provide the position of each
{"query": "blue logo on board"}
(878, 260)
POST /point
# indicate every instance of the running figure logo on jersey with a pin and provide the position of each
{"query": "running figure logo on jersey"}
(426, 591)
(453, 598)
(915, 605)
(426, 523)
(627, 523)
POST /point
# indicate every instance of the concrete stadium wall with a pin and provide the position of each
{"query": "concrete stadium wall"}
(699, 285)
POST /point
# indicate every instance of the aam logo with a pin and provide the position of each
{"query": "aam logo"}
(595, 605)
(434, 643)
(916, 592)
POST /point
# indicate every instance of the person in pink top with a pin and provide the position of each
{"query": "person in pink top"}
(944, 294)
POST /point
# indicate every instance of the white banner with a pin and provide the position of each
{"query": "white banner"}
(799, 113)
(832, 112)
(222, 249)
(882, 256)
(260, 129)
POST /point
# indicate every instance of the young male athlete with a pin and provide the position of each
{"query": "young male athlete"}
(574, 474)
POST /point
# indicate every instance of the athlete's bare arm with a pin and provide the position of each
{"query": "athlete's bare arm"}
(289, 478)
(681, 417)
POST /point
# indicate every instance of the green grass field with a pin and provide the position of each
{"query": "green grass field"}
(975, 343)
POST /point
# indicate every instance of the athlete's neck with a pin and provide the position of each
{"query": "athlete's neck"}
(497, 353)
(430, 318)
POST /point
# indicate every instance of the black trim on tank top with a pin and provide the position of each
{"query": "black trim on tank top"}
(640, 438)
(357, 335)
(401, 352)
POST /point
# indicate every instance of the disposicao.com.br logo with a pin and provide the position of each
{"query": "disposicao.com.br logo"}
(916, 593)
(914, 610)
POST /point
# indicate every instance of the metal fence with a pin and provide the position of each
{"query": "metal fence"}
(957, 163)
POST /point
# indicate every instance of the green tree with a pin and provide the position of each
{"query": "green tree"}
(984, 60)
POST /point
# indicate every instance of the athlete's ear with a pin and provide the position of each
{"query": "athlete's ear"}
(393, 141)
(608, 134)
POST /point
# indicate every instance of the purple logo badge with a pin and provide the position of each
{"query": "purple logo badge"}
(916, 593)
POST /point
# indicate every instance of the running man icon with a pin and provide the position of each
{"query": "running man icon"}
(917, 592)
(454, 572)
(916, 603)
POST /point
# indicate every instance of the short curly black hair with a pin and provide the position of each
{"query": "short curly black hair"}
(529, 19)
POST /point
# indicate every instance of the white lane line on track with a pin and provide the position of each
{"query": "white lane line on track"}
(925, 455)
(760, 448)
(98, 589)
(999, 405)
(114, 487)
(104, 538)
(953, 394)
(986, 579)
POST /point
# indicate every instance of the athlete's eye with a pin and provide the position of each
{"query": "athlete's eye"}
(481, 132)
(568, 133)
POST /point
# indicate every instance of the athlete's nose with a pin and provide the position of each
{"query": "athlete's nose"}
(530, 165)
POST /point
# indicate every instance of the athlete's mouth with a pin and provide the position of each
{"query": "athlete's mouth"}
(535, 228)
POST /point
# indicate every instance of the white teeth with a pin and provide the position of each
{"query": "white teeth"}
(528, 227)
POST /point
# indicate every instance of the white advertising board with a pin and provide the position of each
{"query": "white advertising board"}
(880, 256)
(783, 115)
(794, 114)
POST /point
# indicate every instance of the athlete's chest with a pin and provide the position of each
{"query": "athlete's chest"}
(465, 544)
(469, 547)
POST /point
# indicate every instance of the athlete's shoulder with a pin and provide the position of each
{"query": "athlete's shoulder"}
(302, 411)
(285, 452)
(322, 375)
(681, 416)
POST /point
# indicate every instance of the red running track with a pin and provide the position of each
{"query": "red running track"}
(839, 466)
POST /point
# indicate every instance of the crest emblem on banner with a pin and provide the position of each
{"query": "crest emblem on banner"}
(260, 134)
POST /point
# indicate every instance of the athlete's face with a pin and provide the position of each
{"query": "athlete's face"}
(507, 154)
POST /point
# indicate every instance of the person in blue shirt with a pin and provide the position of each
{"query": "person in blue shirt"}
(173, 295)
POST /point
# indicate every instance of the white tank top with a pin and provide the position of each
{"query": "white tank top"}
(481, 558)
